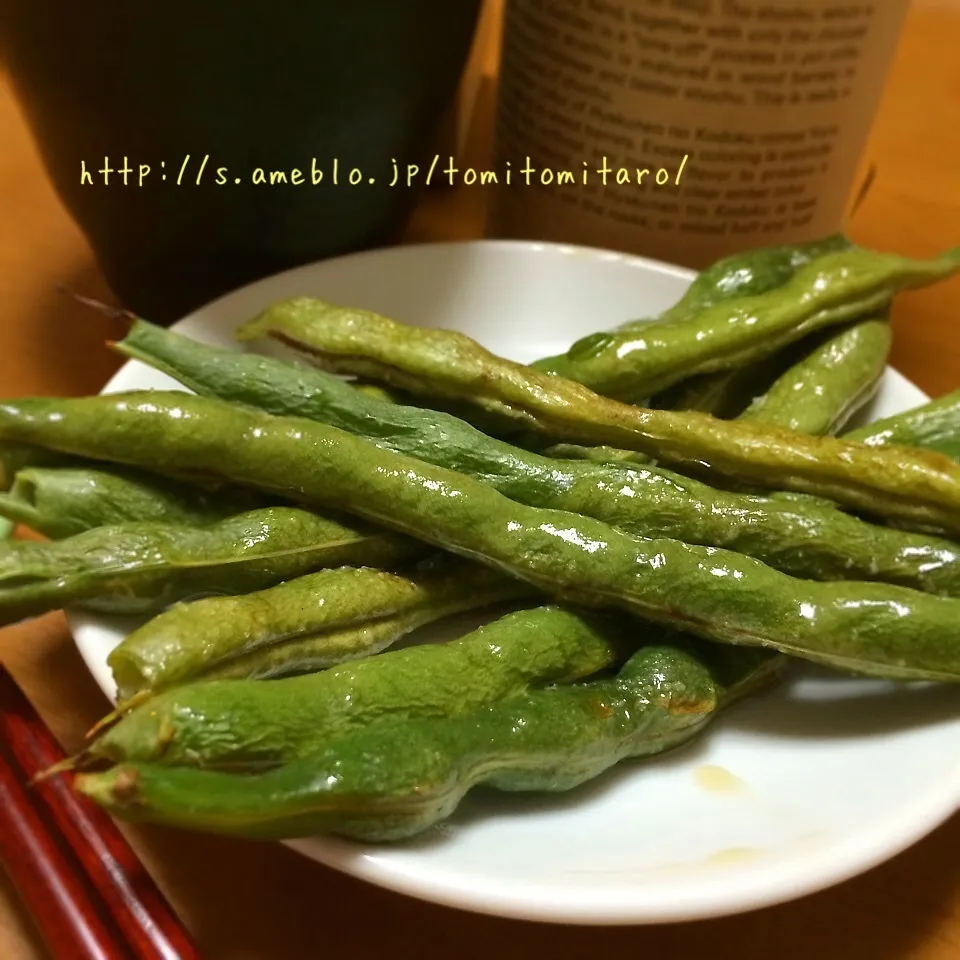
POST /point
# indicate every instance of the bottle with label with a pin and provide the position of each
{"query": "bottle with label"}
(685, 130)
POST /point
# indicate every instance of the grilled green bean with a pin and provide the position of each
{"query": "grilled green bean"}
(820, 393)
(338, 645)
(62, 502)
(830, 290)
(392, 780)
(912, 488)
(814, 386)
(933, 426)
(795, 533)
(189, 638)
(745, 274)
(869, 628)
(725, 394)
(15, 457)
(598, 454)
(229, 723)
(374, 391)
(140, 568)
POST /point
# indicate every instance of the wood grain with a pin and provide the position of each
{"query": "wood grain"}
(246, 900)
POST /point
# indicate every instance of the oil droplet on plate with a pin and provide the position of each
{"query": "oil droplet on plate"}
(718, 860)
(719, 780)
(733, 855)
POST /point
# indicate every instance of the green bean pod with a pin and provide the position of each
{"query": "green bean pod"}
(375, 391)
(488, 423)
(813, 386)
(245, 724)
(730, 279)
(749, 273)
(728, 393)
(796, 533)
(745, 274)
(932, 426)
(870, 628)
(141, 568)
(827, 291)
(189, 638)
(62, 502)
(724, 395)
(337, 645)
(15, 457)
(820, 393)
(912, 488)
(393, 780)
(595, 454)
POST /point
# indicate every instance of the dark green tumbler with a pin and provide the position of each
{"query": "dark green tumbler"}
(240, 126)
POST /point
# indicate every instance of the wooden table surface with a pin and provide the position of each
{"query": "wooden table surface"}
(245, 900)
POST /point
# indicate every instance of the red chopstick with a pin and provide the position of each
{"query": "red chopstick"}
(91, 885)
(67, 912)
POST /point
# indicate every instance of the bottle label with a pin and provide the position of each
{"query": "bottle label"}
(685, 129)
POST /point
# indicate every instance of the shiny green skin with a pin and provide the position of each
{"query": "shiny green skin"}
(339, 645)
(870, 628)
(725, 394)
(746, 274)
(374, 391)
(912, 488)
(832, 374)
(933, 426)
(799, 535)
(15, 457)
(246, 724)
(832, 289)
(820, 393)
(139, 568)
(599, 454)
(64, 501)
(189, 638)
(545, 740)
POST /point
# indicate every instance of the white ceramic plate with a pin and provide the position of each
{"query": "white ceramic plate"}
(783, 796)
